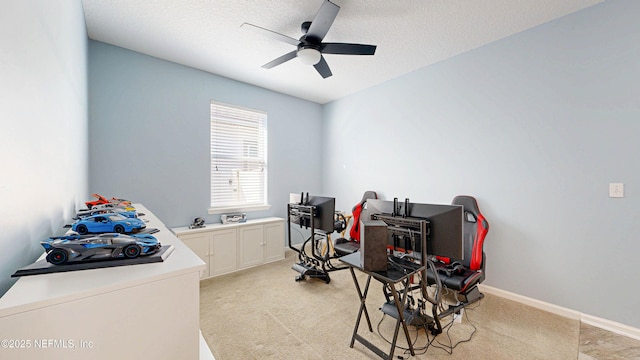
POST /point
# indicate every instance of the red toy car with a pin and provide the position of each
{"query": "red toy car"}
(101, 200)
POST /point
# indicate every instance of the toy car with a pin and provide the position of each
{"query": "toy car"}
(76, 248)
(112, 206)
(104, 223)
(115, 210)
(99, 200)
(121, 202)
(102, 201)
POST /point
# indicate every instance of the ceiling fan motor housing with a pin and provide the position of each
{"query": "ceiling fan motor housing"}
(305, 27)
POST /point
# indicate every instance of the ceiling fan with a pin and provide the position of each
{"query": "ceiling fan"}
(310, 46)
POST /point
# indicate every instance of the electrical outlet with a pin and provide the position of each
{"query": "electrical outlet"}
(616, 190)
(457, 317)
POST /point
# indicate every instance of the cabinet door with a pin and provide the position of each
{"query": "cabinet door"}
(223, 251)
(274, 241)
(251, 245)
(199, 244)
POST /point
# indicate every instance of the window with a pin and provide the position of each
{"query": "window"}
(238, 159)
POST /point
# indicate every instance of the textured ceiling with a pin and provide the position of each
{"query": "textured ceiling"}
(410, 34)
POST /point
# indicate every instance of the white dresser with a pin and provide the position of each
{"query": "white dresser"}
(147, 311)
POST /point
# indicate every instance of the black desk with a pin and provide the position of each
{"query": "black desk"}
(391, 277)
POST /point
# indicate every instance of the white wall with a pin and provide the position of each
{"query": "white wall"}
(535, 126)
(149, 135)
(43, 125)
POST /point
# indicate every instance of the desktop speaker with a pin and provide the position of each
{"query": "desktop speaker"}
(373, 245)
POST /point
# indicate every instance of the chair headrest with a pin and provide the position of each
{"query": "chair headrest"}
(469, 203)
(368, 195)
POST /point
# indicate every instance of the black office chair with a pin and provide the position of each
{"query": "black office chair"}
(464, 275)
(344, 246)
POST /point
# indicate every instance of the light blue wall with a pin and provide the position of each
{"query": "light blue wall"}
(43, 125)
(535, 126)
(149, 134)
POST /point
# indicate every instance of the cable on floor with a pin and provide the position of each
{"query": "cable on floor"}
(449, 348)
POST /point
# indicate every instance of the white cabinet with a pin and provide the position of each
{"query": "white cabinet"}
(199, 244)
(274, 239)
(216, 248)
(223, 252)
(229, 247)
(146, 311)
(251, 245)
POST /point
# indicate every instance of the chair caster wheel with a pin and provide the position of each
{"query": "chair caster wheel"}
(300, 278)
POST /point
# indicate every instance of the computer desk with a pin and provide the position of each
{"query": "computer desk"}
(395, 274)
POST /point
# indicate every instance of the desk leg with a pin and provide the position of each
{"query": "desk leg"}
(363, 307)
(400, 304)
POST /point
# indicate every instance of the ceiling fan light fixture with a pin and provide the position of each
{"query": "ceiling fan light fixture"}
(309, 56)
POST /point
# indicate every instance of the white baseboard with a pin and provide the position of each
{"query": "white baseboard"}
(554, 309)
(605, 324)
(612, 326)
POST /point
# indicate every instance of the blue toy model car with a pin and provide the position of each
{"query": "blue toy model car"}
(104, 223)
(76, 248)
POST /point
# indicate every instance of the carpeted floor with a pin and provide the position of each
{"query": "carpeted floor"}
(262, 313)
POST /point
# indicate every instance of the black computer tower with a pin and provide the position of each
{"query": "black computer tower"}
(373, 245)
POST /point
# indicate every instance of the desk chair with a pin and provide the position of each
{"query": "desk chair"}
(463, 276)
(343, 246)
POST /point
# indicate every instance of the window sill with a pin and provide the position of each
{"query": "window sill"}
(224, 210)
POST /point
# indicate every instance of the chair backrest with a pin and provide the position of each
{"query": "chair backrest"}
(354, 233)
(475, 229)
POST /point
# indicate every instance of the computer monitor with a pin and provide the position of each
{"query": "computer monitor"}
(323, 215)
(445, 237)
(323, 218)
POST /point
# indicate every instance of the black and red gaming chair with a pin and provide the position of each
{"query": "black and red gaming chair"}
(344, 246)
(464, 275)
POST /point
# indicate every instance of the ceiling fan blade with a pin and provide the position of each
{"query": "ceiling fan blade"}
(323, 68)
(347, 49)
(322, 22)
(270, 34)
(284, 58)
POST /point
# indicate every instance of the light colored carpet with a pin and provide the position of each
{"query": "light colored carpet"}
(600, 344)
(262, 313)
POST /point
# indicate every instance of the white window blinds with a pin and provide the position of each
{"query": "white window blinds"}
(238, 158)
